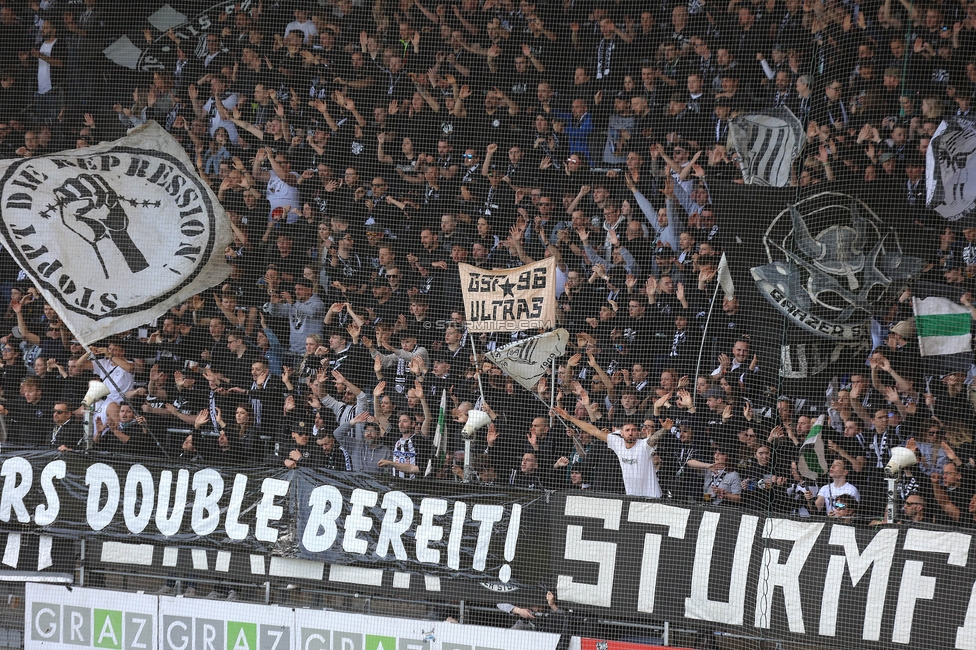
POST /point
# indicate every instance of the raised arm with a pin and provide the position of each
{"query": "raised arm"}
(381, 155)
(323, 108)
(604, 377)
(580, 424)
(434, 106)
(257, 173)
(348, 104)
(425, 427)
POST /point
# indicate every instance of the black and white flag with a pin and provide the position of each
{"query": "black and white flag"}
(948, 188)
(526, 361)
(767, 142)
(114, 235)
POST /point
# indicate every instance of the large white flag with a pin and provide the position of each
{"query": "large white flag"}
(510, 300)
(526, 361)
(116, 234)
(948, 161)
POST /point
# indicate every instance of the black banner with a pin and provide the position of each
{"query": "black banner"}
(814, 580)
(296, 526)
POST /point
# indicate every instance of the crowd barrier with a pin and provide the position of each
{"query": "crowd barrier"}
(812, 580)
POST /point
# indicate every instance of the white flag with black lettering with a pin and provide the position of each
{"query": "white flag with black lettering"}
(948, 188)
(767, 142)
(526, 361)
(510, 300)
(116, 234)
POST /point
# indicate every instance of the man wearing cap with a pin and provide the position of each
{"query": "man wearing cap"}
(352, 401)
(440, 378)
(680, 123)
(909, 193)
(901, 351)
(595, 460)
(300, 450)
(718, 129)
(636, 456)
(712, 420)
(384, 305)
(305, 312)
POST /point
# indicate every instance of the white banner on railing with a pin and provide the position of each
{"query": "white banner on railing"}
(58, 618)
(63, 618)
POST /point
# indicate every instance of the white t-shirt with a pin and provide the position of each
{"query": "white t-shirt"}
(44, 84)
(216, 122)
(637, 467)
(120, 383)
(281, 194)
(830, 492)
(307, 28)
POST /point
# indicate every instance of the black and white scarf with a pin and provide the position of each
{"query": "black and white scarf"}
(603, 55)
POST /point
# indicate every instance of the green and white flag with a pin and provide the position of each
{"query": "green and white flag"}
(943, 326)
(812, 463)
(440, 437)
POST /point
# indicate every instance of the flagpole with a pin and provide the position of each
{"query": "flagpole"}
(552, 394)
(481, 389)
(477, 369)
(701, 348)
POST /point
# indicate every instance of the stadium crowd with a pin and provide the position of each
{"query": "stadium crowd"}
(362, 151)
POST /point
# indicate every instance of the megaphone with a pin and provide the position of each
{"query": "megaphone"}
(476, 420)
(901, 457)
(96, 391)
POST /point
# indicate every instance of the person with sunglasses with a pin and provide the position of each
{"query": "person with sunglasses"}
(845, 507)
(67, 435)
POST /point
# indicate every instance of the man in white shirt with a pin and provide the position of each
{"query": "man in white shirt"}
(302, 23)
(115, 371)
(838, 486)
(636, 456)
(218, 106)
(282, 189)
(51, 57)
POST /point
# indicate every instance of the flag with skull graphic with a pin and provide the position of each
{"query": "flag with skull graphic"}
(832, 260)
(949, 159)
(114, 235)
